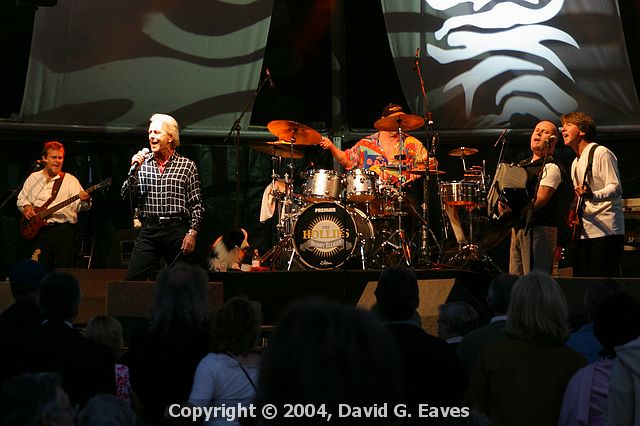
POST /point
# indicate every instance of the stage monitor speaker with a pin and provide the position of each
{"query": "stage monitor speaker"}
(130, 301)
(121, 248)
(433, 293)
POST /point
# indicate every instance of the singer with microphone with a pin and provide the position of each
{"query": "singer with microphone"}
(534, 247)
(165, 187)
(44, 189)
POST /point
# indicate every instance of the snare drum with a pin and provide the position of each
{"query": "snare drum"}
(322, 185)
(459, 193)
(326, 235)
(360, 185)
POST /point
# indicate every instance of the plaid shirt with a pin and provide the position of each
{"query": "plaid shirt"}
(176, 192)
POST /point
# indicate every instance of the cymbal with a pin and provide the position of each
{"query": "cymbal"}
(405, 122)
(462, 151)
(300, 134)
(277, 150)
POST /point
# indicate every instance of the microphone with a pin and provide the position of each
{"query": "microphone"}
(41, 161)
(504, 131)
(551, 139)
(271, 83)
(136, 164)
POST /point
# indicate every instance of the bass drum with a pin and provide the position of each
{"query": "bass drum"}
(326, 235)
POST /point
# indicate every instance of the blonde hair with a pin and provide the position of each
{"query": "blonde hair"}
(170, 125)
(538, 311)
(107, 330)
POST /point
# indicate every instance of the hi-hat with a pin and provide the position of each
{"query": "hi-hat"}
(462, 152)
(289, 131)
(277, 150)
(404, 122)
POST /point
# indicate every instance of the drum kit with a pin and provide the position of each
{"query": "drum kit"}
(355, 217)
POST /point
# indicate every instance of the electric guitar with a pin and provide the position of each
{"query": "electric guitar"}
(576, 220)
(29, 228)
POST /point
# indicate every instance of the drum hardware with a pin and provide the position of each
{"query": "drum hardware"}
(276, 149)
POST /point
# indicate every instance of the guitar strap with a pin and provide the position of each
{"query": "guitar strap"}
(54, 191)
(587, 171)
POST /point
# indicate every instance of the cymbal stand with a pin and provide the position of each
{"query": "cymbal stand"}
(404, 245)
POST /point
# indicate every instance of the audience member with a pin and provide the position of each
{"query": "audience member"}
(107, 410)
(583, 340)
(432, 373)
(229, 374)
(615, 322)
(325, 353)
(163, 354)
(107, 330)
(35, 400)
(24, 279)
(498, 299)
(456, 319)
(86, 367)
(521, 380)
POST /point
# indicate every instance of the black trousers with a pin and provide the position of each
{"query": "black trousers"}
(155, 242)
(57, 245)
(598, 257)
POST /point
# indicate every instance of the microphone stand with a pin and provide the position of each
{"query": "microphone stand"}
(235, 127)
(423, 259)
(36, 164)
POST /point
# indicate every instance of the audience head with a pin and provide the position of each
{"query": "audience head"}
(34, 400)
(59, 297)
(499, 294)
(25, 278)
(397, 296)
(323, 352)
(107, 330)
(181, 298)
(456, 319)
(538, 311)
(237, 326)
(616, 322)
(599, 292)
(107, 410)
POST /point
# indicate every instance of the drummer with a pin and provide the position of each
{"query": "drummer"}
(380, 150)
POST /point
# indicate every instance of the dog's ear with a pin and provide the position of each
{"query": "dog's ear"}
(245, 242)
(233, 238)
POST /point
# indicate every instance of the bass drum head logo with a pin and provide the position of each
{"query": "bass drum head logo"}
(324, 235)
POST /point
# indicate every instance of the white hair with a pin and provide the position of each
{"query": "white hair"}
(170, 125)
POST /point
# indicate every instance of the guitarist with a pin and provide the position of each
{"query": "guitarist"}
(41, 190)
(533, 244)
(598, 248)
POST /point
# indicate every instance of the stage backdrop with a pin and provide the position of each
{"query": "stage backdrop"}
(490, 63)
(113, 63)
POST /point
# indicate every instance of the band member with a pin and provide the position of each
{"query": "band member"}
(381, 149)
(56, 241)
(533, 244)
(166, 187)
(598, 250)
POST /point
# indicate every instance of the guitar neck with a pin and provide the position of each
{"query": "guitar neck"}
(53, 209)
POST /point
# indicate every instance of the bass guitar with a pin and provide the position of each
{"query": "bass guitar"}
(29, 228)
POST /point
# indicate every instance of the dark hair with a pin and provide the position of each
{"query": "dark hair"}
(397, 295)
(324, 352)
(181, 298)
(499, 295)
(616, 322)
(25, 276)
(237, 326)
(106, 330)
(107, 410)
(583, 122)
(60, 296)
(26, 399)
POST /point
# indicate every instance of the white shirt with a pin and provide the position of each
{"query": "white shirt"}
(551, 176)
(602, 214)
(36, 191)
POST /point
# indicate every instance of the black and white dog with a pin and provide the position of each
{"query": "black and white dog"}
(228, 250)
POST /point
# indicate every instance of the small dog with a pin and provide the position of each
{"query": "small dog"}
(228, 250)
